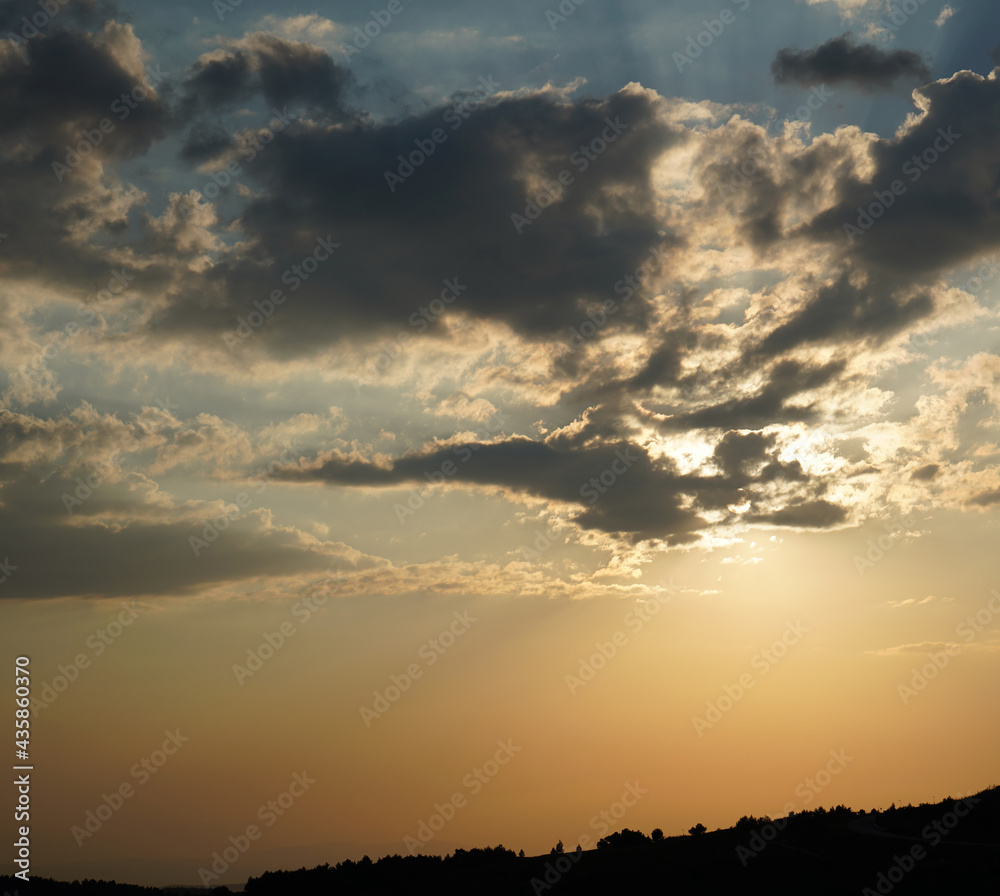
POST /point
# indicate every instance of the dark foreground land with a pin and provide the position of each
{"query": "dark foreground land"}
(952, 847)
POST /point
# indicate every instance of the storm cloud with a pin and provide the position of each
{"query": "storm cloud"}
(841, 60)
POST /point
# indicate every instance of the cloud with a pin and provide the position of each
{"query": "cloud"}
(841, 60)
(849, 9)
(73, 488)
(280, 70)
(842, 310)
(101, 77)
(644, 500)
(727, 373)
(616, 487)
(59, 135)
(770, 403)
(451, 218)
(921, 647)
(940, 216)
(946, 13)
(912, 601)
(818, 514)
(307, 28)
(986, 499)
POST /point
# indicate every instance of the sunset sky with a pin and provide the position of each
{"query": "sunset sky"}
(475, 418)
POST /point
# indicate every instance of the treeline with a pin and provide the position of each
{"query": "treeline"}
(45, 886)
(947, 847)
(818, 851)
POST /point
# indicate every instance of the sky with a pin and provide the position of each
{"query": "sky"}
(438, 425)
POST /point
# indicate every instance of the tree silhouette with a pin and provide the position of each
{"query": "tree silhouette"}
(623, 838)
(697, 829)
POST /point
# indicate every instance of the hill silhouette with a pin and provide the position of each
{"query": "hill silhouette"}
(943, 848)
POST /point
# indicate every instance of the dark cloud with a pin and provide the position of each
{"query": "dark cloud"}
(770, 404)
(986, 499)
(477, 206)
(840, 59)
(70, 104)
(931, 201)
(281, 71)
(736, 451)
(926, 473)
(927, 204)
(66, 81)
(117, 536)
(817, 514)
(146, 556)
(843, 311)
(618, 487)
(205, 141)
(664, 365)
(637, 495)
(750, 457)
(451, 218)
